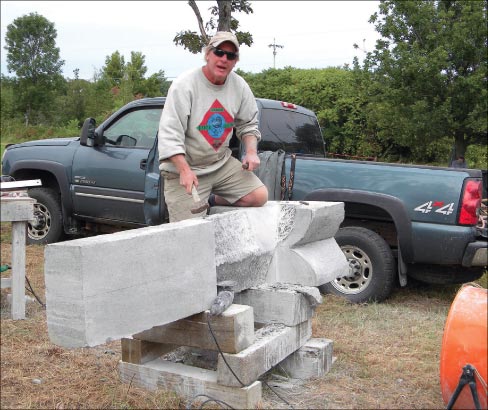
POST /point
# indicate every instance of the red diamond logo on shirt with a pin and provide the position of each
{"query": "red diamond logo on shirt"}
(216, 125)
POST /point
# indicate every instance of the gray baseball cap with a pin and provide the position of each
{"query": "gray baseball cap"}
(223, 36)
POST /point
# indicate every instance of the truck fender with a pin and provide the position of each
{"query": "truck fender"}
(58, 170)
(390, 204)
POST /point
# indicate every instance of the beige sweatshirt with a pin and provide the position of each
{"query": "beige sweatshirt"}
(198, 119)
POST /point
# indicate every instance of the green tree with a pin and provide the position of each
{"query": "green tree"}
(136, 71)
(33, 56)
(429, 73)
(114, 69)
(221, 20)
(333, 93)
(157, 85)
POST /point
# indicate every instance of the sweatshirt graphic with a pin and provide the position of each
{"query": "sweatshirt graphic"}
(216, 125)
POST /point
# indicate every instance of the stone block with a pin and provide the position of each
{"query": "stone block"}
(273, 344)
(291, 241)
(313, 359)
(279, 303)
(111, 286)
(302, 223)
(188, 382)
(312, 264)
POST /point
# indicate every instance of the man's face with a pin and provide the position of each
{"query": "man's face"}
(218, 68)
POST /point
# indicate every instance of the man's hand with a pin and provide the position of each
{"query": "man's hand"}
(188, 179)
(187, 176)
(251, 160)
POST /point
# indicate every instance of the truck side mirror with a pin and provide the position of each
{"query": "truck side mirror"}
(87, 131)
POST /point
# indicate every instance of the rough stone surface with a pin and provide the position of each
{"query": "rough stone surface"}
(111, 286)
(244, 245)
(292, 241)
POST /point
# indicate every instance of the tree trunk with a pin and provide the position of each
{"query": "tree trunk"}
(224, 15)
(459, 144)
(195, 9)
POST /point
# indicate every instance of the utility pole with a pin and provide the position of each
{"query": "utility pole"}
(275, 46)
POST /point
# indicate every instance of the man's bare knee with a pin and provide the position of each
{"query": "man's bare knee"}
(258, 197)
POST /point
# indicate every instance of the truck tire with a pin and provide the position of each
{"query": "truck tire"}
(47, 226)
(372, 267)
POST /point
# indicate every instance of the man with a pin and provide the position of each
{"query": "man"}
(202, 108)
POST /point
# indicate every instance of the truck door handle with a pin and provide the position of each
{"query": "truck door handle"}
(143, 164)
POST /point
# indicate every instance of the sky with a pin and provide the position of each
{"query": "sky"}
(314, 34)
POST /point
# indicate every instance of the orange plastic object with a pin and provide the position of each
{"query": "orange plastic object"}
(465, 342)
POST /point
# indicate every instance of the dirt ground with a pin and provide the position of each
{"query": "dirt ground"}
(386, 357)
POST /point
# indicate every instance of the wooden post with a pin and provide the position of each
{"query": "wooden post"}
(18, 269)
(17, 210)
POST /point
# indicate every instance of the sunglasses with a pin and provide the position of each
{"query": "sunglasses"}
(220, 53)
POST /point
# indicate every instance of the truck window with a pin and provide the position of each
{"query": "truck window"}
(290, 131)
(137, 128)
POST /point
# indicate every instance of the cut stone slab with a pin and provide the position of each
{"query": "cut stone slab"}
(313, 359)
(273, 344)
(188, 382)
(302, 223)
(312, 264)
(279, 303)
(112, 286)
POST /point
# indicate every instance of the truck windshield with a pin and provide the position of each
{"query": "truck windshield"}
(291, 131)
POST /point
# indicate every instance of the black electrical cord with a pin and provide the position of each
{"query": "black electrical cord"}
(222, 354)
(274, 391)
(210, 399)
(232, 371)
(31, 290)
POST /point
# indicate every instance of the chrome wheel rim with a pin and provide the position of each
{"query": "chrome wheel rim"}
(39, 227)
(360, 271)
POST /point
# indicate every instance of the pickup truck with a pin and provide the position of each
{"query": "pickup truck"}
(400, 220)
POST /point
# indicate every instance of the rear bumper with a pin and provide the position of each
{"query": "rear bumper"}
(476, 254)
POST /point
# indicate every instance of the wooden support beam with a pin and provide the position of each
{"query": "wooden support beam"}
(234, 330)
(188, 382)
(273, 343)
(140, 352)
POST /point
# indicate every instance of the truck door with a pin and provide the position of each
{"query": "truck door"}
(108, 179)
(154, 205)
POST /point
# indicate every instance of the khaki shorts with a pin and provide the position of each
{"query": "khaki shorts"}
(230, 182)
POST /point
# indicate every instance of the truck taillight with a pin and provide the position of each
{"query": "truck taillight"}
(288, 105)
(471, 203)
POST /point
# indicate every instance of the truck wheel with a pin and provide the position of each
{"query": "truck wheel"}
(371, 264)
(47, 225)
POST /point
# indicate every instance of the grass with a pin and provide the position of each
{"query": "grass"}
(387, 356)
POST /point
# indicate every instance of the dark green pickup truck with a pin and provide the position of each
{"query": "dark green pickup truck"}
(400, 220)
